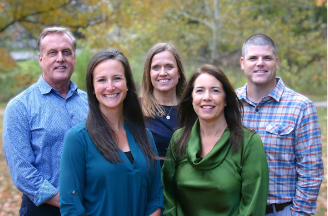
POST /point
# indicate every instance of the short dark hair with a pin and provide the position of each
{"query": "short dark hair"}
(98, 128)
(53, 30)
(232, 111)
(258, 40)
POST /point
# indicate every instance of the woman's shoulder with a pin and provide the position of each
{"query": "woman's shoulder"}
(177, 134)
(78, 132)
(80, 127)
(251, 139)
(250, 135)
(248, 132)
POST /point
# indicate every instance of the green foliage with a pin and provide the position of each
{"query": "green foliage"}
(313, 79)
(82, 61)
(6, 62)
(137, 66)
(18, 79)
(206, 31)
(7, 85)
(28, 72)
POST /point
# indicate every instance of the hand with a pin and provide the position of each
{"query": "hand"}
(157, 212)
(54, 201)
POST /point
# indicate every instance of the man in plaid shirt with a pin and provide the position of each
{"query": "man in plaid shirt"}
(288, 125)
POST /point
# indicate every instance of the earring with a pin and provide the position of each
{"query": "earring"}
(127, 89)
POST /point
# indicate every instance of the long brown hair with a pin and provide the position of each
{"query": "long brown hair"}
(149, 104)
(232, 111)
(99, 130)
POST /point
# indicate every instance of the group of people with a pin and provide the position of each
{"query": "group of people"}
(181, 149)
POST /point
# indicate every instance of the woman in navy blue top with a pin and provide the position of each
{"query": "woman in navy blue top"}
(162, 84)
(109, 164)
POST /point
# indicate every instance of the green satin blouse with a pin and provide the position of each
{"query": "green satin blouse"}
(221, 183)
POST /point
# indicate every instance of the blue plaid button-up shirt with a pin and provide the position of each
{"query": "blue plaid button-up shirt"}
(34, 127)
(288, 125)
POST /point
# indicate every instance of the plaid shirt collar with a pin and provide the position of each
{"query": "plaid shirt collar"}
(275, 94)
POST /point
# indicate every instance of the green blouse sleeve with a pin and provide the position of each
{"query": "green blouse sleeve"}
(255, 177)
(168, 172)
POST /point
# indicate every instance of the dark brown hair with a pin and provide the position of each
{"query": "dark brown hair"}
(99, 130)
(232, 111)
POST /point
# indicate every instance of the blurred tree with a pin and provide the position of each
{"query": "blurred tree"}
(7, 62)
(126, 24)
(212, 31)
(204, 31)
(299, 31)
(33, 15)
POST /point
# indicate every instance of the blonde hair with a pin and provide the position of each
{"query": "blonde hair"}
(150, 107)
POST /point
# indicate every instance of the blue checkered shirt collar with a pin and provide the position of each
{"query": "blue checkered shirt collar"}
(275, 94)
(45, 88)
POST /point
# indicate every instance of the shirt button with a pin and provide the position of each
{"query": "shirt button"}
(74, 193)
(257, 109)
(279, 132)
(72, 116)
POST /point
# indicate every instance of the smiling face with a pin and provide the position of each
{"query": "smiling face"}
(208, 98)
(164, 74)
(260, 66)
(110, 85)
(57, 59)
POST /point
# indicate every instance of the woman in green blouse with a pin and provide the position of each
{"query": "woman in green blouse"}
(215, 165)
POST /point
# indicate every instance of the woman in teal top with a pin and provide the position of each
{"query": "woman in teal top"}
(109, 164)
(215, 165)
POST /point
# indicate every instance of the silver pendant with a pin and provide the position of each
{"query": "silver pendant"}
(168, 117)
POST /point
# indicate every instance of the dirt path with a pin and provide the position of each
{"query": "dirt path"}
(320, 104)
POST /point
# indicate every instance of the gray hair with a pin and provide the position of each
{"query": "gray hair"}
(53, 30)
(258, 40)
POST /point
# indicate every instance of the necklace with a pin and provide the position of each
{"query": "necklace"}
(168, 117)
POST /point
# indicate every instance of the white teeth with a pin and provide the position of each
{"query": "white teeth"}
(207, 107)
(61, 67)
(110, 96)
(162, 81)
(260, 71)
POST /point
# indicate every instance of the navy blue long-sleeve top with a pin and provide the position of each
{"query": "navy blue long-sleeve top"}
(163, 129)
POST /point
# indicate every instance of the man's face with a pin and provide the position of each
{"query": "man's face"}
(260, 66)
(57, 59)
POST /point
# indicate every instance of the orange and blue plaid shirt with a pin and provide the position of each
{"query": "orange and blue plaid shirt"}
(289, 128)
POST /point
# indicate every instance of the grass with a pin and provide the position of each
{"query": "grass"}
(322, 198)
(2, 105)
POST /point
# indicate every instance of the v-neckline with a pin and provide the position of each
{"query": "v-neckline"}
(133, 149)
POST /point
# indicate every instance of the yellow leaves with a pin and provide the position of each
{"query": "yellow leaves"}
(6, 62)
(46, 12)
(321, 2)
